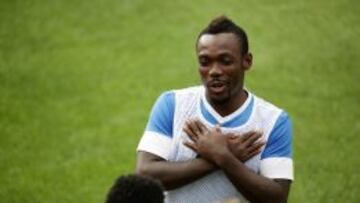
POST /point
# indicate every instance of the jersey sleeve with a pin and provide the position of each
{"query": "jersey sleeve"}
(276, 159)
(157, 137)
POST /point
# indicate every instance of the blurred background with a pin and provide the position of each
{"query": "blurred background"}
(78, 79)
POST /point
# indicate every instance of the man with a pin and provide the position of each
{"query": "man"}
(218, 141)
(135, 189)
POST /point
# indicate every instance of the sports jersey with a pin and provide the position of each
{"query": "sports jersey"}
(164, 137)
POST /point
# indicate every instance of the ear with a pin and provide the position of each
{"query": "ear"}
(247, 61)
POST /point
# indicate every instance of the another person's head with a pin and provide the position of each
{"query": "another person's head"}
(135, 189)
(223, 55)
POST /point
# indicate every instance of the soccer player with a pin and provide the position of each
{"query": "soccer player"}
(218, 141)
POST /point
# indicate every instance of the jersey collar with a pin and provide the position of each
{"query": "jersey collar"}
(238, 117)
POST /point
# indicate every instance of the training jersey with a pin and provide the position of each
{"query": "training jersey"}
(164, 137)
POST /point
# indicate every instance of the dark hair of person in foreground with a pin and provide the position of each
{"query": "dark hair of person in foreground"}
(135, 189)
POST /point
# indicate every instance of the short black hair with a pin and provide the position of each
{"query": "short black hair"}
(135, 189)
(223, 24)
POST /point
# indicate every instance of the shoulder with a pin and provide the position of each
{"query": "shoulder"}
(265, 105)
(178, 96)
(269, 114)
(183, 91)
(168, 100)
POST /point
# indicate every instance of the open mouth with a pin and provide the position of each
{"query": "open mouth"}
(217, 87)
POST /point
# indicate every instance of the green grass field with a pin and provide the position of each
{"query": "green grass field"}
(78, 79)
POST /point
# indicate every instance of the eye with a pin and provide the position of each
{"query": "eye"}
(226, 60)
(204, 61)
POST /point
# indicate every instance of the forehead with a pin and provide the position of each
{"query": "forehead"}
(218, 43)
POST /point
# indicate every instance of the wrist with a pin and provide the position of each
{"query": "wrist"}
(223, 157)
(207, 165)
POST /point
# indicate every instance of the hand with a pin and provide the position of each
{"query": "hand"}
(209, 143)
(245, 146)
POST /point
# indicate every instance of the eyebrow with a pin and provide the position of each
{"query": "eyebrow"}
(225, 53)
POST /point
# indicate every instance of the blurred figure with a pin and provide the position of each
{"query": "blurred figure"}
(135, 189)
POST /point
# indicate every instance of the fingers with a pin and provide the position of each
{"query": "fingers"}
(195, 128)
(201, 126)
(252, 154)
(242, 138)
(192, 135)
(247, 135)
(256, 146)
(252, 138)
(191, 146)
(247, 145)
(231, 135)
(192, 130)
(252, 151)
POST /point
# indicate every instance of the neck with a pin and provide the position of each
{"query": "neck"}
(229, 106)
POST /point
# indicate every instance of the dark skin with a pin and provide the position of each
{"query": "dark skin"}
(243, 147)
(213, 146)
(222, 68)
(172, 174)
(176, 174)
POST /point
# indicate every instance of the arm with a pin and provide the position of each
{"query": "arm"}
(213, 146)
(172, 174)
(154, 149)
(253, 186)
(176, 174)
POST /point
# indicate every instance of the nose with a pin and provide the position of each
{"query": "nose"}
(215, 70)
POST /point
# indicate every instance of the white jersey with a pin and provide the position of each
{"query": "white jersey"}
(164, 137)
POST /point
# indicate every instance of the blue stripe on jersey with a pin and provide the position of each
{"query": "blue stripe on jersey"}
(162, 114)
(207, 115)
(242, 117)
(235, 122)
(279, 141)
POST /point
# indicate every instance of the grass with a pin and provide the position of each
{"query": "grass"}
(78, 78)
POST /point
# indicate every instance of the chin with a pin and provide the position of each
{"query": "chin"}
(219, 99)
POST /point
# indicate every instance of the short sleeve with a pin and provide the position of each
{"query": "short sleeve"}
(158, 133)
(276, 159)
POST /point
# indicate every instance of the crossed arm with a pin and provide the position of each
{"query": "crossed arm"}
(216, 151)
(172, 174)
(177, 174)
(214, 148)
